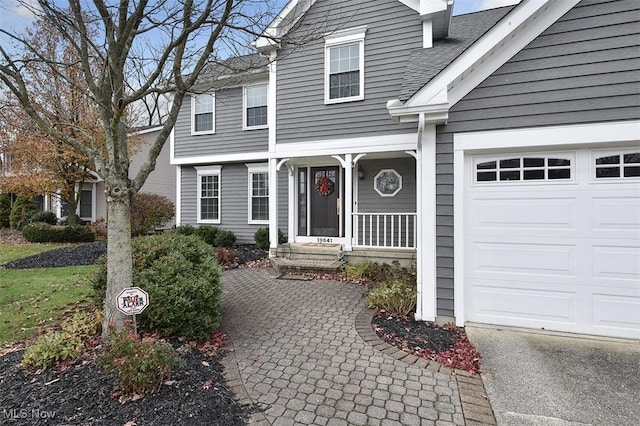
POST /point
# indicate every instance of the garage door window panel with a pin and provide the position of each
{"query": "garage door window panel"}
(523, 169)
(623, 165)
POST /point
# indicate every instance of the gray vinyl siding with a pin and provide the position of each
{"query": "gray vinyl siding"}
(234, 199)
(393, 30)
(582, 69)
(229, 137)
(162, 180)
(369, 201)
(369, 228)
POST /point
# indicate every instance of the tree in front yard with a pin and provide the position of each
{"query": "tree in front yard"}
(124, 52)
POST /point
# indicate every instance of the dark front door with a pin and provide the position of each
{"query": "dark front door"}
(325, 208)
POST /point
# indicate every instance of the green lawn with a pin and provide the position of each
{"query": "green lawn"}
(33, 298)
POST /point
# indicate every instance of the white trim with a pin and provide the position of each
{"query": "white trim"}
(328, 147)
(426, 241)
(178, 195)
(319, 239)
(193, 115)
(271, 103)
(221, 158)
(255, 168)
(208, 171)
(273, 204)
(338, 39)
(560, 137)
(244, 106)
(145, 131)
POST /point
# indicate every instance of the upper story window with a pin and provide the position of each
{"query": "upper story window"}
(202, 114)
(344, 65)
(617, 165)
(527, 168)
(255, 106)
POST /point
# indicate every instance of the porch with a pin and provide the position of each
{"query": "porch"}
(353, 207)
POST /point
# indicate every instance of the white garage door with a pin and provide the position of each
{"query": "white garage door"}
(552, 240)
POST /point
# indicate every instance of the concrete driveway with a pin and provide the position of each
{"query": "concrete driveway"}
(540, 378)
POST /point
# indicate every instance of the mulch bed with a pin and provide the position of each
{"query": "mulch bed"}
(447, 345)
(85, 254)
(83, 394)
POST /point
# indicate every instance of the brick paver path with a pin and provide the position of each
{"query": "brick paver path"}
(299, 355)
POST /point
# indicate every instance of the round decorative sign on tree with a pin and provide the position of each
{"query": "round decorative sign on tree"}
(325, 186)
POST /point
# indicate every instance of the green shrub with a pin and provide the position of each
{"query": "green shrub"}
(150, 212)
(139, 365)
(208, 233)
(51, 348)
(22, 209)
(5, 210)
(62, 345)
(225, 238)
(41, 232)
(394, 296)
(262, 238)
(45, 217)
(182, 277)
(185, 230)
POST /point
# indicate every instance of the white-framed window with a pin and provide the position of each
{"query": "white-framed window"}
(556, 167)
(255, 106)
(208, 194)
(344, 65)
(258, 193)
(616, 164)
(203, 114)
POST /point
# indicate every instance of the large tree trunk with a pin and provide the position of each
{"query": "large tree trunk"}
(119, 262)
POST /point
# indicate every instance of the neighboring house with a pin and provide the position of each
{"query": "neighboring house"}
(499, 149)
(93, 204)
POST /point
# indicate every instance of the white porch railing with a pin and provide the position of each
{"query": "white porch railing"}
(384, 230)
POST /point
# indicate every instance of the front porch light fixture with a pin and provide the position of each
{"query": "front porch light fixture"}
(387, 183)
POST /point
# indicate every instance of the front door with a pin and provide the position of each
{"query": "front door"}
(325, 201)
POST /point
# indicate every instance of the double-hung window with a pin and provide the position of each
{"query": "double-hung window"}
(208, 194)
(255, 106)
(258, 193)
(203, 114)
(344, 65)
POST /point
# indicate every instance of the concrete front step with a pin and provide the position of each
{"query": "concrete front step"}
(298, 266)
(309, 251)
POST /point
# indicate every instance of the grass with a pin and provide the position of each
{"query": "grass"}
(31, 299)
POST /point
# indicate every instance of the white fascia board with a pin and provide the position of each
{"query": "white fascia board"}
(274, 31)
(436, 112)
(367, 144)
(557, 136)
(223, 158)
(525, 22)
(146, 131)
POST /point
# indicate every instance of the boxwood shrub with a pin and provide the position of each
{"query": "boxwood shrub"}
(182, 277)
(41, 232)
(262, 238)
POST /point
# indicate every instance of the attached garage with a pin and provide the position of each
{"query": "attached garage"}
(551, 238)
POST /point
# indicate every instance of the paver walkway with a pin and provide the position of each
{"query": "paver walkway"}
(299, 355)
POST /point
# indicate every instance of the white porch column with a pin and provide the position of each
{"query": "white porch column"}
(426, 218)
(292, 228)
(348, 202)
(273, 206)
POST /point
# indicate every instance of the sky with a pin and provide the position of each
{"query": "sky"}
(16, 17)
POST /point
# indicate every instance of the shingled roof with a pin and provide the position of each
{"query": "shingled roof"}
(424, 64)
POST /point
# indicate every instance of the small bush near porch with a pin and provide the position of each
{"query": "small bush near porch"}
(394, 288)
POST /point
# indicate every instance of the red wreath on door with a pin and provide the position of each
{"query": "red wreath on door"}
(325, 186)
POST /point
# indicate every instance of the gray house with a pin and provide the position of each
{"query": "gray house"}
(499, 150)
